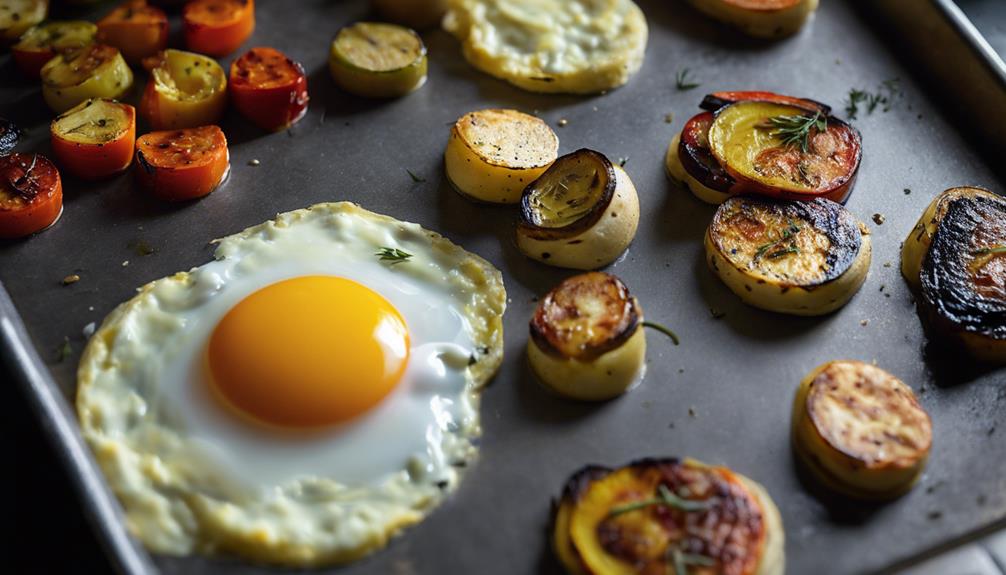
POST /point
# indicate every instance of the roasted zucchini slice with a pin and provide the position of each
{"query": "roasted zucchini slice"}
(94, 71)
(16, 16)
(786, 151)
(962, 297)
(800, 258)
(587, 339)
(377, 60)
(667, 516)
(581, 213)
(760, 18)
(493, 155)
(860, 431)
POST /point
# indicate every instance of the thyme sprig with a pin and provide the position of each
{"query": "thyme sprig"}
(393, 255)
(664, 330)
(667, 498)
(682, 82)
(787, 234)
(682, 560)
(992, 250)
(794, 130)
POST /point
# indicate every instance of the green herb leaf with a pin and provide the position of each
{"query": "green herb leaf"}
(667, 498)
(992, 250)
(664, 330)
(393, 255)
(795, 130)
(682, 560)
(415, 179)
(64, 351)
(788, 233)
(682, 82)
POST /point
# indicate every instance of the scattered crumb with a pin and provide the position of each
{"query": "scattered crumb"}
(563, 122)
(887, 264)
(682, 370)
(878, 219)
(142, 248)
(90, 308)
(887, 294)
(864, 323)
(253, 162)
(882, 286)
(125, 263)
(668, 118)
(670, 425)
(717, 313)
(64, 350)
(908, 191)
(622, 161)
(691, 412)
(934, 515)
(991, 430)
(71, 279)
(595, 108)
(88, 330)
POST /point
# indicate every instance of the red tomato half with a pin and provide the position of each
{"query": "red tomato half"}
(136, 29)
(268, 88)
(185, 164)
(717, 100)
(31, 195)
(218, 27)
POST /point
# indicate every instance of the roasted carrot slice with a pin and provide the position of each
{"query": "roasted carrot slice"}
(218, 27)
(31, 194)
(95, 139)
(136, 29)
(268, 88)
(179, 165)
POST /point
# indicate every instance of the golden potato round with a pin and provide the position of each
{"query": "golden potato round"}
(760, 18)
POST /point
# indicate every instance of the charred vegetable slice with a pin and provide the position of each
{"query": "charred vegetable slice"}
(760, 18)
(378, 60)
(95, 71)
(785, 151)
(801, 258)
(690, 162)
(493, 154)
(95, 139)
(268, 88)
(667, 516)
(217, 27)
(10, 135)
(179, 165)
(586, 338)
(137, 29)
(418, 14)
(185, 90)
(41, 43)
(860, 430)
(713, 102)
(31, 195)
(963, 277)
(17, 16)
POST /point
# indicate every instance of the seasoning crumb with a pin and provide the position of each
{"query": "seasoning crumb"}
(878, 219)
(142, 248)
(125, 263)
(691, 412)
(992, 430)
(670, 425)
(887, 294)
(668, 118)
(64, 350)
(882, 286)
(934, 515)
(71, 279)
(563, 122)
(254, 162)
(717, 313)
(908, 191)
(887, 264)
(682, 370)
(622, 161)
(415, 179)
(595, 108)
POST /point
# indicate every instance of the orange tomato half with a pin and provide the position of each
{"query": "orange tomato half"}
(218, 27)
(31, 195)
(95, 140)
(136, 29)
(268, 88)
(178, 165)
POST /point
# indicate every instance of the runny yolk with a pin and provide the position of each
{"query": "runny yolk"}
(308, 352)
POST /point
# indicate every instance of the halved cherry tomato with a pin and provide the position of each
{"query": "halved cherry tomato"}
(218, 27)
(180, 165)
(268, 88)
(95, 71)
(16, 16)
(185, 90)
(41, 43)
(717, 100)
(136, 29)
(95, 139)
(31, 195)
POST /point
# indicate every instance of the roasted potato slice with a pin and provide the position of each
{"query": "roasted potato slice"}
(800, 258)
(378, 60)
(95, 139)
(860, 430)
(760, 18)
(962, 296)
(587, 340)
(94, 71)
(581, 213)
(39, 44)
(493, 155)
(17, 16)
(667, 516)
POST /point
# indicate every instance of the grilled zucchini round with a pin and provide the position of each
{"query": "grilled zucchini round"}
(667, 516)
(378, 60)
(581, 213)
(587, 340)
(760, 18)
(494, 154)
(800, 258)
(860, 431)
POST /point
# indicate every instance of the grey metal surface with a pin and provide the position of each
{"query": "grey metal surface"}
(736, 374)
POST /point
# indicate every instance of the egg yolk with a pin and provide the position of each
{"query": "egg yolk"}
(308, 352)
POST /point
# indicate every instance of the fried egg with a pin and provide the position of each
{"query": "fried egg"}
(301, 398)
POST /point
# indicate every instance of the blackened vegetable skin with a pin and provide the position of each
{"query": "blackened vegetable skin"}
(10, 134)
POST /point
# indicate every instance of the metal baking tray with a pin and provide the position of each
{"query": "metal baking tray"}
(722, 396)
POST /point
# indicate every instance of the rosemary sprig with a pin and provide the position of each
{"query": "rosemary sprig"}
(664, 330)
(795, 130)
(393, 255)
(992, 250)
(788, 233)
(682, 560)
(792, 249)
(885, 96)
(682, 83)
(667, 498)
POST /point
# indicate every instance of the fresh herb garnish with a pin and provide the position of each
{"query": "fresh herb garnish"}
(64, 351)
(992, 250)
(682, 560)
(794, 130)
(682, 82)
(667, 498)
(788, 233)
(792, 249)
(664, 330)
(622, 161)
(886, 93)
(416, 179)
(393, 255)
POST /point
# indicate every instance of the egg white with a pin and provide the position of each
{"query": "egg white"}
(192, 476)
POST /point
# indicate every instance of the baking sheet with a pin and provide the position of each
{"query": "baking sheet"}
(722, 396)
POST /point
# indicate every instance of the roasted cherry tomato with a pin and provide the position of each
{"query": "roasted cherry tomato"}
(16, 16)
(41, 43)
(10, 134)
(31, 195)
(136, 29)
(185, 90)
(717, 100)
(182, 164)
(218, 27)
(268, 88)
(95, 139)
(95, 71)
